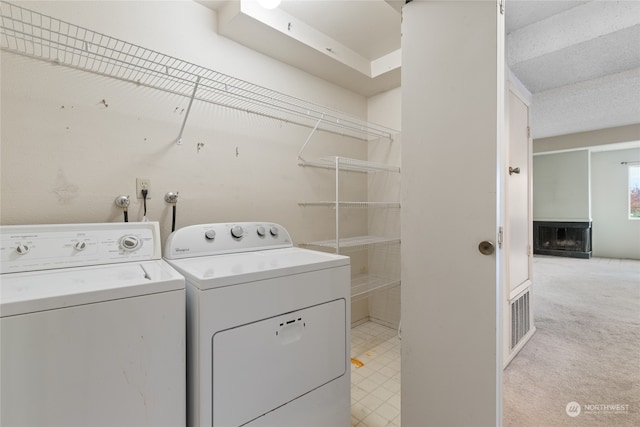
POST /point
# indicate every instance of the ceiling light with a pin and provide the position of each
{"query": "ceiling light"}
(269, 4)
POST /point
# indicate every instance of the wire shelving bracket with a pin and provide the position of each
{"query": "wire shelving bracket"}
(30, 33)
(184, 122)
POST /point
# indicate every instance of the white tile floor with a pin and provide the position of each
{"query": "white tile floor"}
(375, 386)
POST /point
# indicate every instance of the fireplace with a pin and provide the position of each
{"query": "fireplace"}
(569, 239)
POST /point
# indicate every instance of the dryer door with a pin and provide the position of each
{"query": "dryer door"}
(263, 365)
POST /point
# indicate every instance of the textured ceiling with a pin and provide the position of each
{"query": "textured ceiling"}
(580, 59)
(521, 13)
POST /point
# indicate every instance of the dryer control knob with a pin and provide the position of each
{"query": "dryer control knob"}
(210, 234)
(237, 231)
(130, 243)
(22, 249)
(260, 231)
(274, 230)
(80, 245)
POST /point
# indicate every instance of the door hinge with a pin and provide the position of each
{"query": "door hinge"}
(501, 7)
(500, 236)
(528, 132)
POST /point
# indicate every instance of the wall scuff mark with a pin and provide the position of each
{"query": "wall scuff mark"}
(64, 190)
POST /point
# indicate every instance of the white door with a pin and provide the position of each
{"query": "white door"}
(452, 132)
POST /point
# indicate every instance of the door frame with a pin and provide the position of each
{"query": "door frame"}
(516, 87)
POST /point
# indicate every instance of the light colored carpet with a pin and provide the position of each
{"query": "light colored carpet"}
(586, 348)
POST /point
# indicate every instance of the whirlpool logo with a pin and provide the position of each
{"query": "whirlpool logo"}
(180, 250)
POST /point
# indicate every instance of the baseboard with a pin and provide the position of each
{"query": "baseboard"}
(388, 324)
(360, 321)
(519, 347)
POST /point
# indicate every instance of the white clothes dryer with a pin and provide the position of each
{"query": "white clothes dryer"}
(268, 328)
(92, 327)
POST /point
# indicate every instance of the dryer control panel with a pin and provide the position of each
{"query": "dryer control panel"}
(44, 247)
(225, 238)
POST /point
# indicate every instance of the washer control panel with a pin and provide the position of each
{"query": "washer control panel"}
(223, 238)
(43, 247)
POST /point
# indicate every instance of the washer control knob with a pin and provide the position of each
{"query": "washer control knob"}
(22, 249)
(237, 231)
(274, 230)
(80, 245)
(210, 234)
(260, 231)
(130, 243)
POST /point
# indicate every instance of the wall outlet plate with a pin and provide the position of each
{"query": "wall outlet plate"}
(143, 183)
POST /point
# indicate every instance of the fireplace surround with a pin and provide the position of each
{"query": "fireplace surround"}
(562, 238)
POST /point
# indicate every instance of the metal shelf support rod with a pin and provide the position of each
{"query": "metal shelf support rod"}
(337, 205)
(300, 159)
(186, 115)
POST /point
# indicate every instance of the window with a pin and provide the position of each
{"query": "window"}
(634, 192)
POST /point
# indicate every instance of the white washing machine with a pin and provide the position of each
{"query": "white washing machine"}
(92, 326)
(268, 328)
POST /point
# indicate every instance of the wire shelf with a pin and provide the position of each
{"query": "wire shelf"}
(354, 243)
(365, 284)
(26, 32)
(347, 164)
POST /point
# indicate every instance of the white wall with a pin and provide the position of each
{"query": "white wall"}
(561, 186)
(66, 156)
(580, 185)
(614, 234)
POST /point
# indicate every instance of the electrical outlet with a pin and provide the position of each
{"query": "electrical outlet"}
(143, 184)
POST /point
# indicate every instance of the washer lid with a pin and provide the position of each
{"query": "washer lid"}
(47, 290)
(232, 269)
